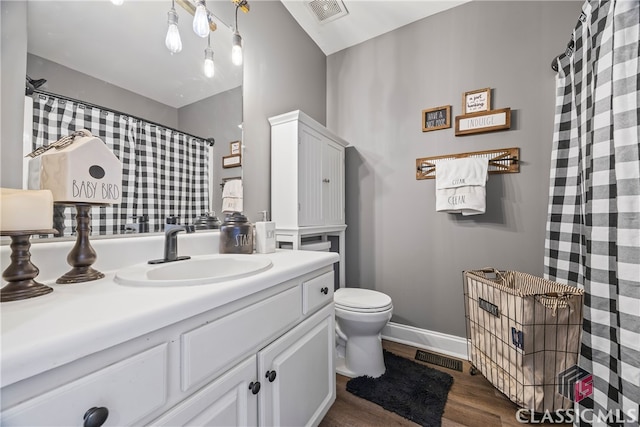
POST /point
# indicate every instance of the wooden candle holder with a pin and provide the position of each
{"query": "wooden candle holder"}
(82, 255)
(21, 273)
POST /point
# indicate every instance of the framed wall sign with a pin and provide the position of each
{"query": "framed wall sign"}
(487, 121)
(234, 147)
(436, 118)
(476, 101)
(231, 161)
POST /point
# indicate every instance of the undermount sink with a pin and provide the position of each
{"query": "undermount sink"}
(198, 270)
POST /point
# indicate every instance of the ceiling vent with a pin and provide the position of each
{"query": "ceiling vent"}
(327, 10)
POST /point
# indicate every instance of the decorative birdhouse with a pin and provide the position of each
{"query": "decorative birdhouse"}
(80, 168)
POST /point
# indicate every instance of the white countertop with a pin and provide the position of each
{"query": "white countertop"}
(76, 320)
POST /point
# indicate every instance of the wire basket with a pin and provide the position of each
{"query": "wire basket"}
(523, 331)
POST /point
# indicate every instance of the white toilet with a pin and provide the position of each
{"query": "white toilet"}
(360, 316)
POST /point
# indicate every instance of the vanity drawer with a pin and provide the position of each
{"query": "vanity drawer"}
(130, 389)
(214, 347)
(317, 292)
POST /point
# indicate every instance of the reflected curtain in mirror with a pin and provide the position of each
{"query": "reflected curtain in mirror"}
(164, 171)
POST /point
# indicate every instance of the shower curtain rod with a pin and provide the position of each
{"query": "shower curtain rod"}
(211, 141)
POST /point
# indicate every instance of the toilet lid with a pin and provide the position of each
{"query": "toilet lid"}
(361, 299)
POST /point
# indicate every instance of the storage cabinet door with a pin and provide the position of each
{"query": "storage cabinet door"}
(310, 177)
(303, 386)
(228, 401)
(333, 183)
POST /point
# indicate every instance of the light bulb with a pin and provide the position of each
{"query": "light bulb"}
(236, 49)
(201, 20)
(117, 2)
(209, 69)
(172, 41)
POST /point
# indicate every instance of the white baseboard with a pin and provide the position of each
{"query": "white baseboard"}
(437, 342)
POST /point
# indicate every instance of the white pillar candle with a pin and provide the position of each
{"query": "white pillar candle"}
(25, 209)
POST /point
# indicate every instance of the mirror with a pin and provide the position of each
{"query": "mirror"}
(115, 57)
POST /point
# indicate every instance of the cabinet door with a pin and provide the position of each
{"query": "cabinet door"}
(333, 183)
(228, 401)
(310, 177)
(304, 385)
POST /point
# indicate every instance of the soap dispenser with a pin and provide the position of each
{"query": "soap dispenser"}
(265, 234)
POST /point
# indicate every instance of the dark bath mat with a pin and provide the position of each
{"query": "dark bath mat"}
(414, 391)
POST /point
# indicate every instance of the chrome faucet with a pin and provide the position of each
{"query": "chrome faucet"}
(171, 243)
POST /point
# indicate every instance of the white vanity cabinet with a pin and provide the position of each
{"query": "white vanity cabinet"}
(265, 359)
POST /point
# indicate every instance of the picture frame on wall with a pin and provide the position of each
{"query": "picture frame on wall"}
(231, 161)
(234, 147)
(484, 121)
(476, 101)
(436, 118)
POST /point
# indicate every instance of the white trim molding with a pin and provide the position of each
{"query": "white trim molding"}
(438, 342)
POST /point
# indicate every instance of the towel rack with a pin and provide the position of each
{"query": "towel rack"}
(504, 160)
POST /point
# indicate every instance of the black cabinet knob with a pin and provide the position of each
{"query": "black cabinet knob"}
(254, 387)
(95, 417)
(324, 290)
(271, 376)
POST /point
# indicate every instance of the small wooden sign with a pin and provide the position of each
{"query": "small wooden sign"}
(487, 121)
(231, 161)
(436, 118)
(476, 101)
(234, 147)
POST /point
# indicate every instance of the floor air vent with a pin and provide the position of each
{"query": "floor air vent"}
(327, 10)
(436, 359)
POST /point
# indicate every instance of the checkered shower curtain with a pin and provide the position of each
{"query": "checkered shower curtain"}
(593, 227)
(164, 172)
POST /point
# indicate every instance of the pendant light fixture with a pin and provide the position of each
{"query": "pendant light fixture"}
(172, 41)
(209, 68)
(201, 19)
(204, 22)
(236, 42)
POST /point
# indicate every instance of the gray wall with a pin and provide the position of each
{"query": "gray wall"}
(396, 242)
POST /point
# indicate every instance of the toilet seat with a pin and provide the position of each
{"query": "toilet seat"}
(361, 300)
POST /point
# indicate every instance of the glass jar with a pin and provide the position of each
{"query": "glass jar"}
(208, 221)
(236, 234)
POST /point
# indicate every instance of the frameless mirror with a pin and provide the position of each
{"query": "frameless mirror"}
(115, 57)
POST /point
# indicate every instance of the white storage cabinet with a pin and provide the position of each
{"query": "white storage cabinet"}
(307, 183)
(307, 172)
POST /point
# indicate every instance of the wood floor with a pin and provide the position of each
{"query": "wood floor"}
(472, 401)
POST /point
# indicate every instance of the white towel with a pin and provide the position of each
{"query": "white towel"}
(232, 196)
(232, 204)
(460, 185)
(232, 188)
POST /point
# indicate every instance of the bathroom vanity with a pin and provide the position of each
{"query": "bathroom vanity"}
(255, 350)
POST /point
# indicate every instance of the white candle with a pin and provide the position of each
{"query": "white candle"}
(25, 209)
